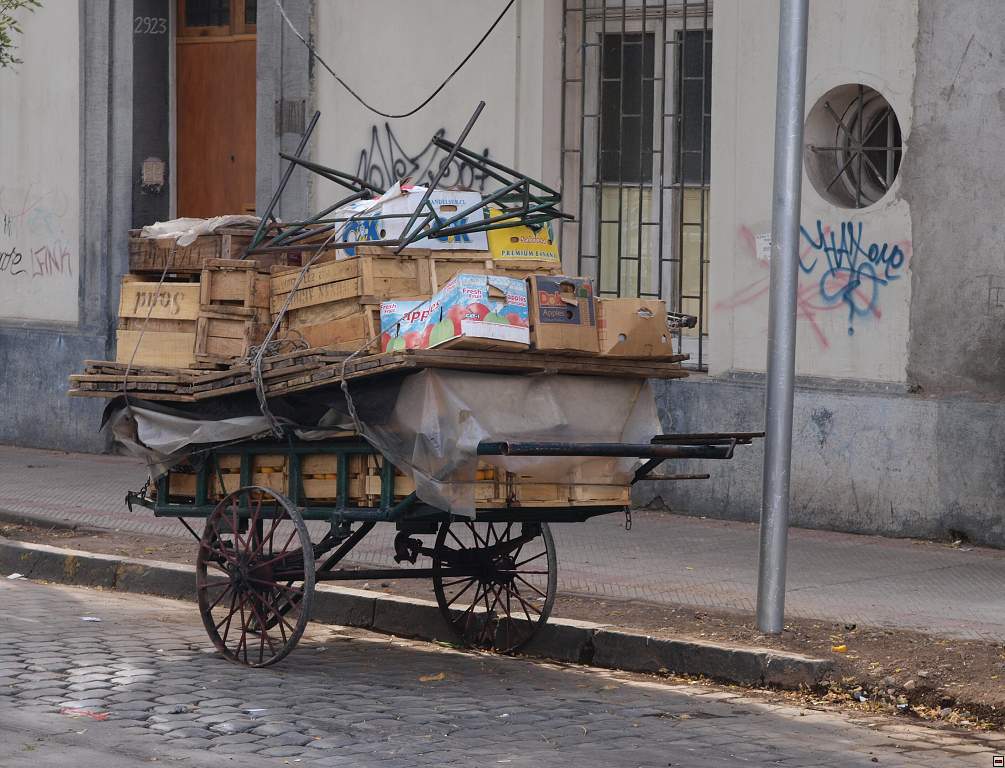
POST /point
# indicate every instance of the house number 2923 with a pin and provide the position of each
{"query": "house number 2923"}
(150, 25)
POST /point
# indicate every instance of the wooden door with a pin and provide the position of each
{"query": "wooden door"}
(215, 76)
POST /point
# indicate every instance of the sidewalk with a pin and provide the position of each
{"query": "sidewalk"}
(665, 558)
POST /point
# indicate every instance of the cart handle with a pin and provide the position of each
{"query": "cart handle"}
(617, 450)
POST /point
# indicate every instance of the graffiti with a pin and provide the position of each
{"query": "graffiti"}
(854, 273)
(384, 162)
(50, 261)
(839, 271)
(31, 234)
(9, 262)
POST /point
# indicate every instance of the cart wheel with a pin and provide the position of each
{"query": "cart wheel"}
(255, 576)
(495, 582)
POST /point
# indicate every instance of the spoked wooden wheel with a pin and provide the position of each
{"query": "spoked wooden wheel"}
(494, 582)
(255, 576)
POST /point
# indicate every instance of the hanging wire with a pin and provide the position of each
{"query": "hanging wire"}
(359, 98)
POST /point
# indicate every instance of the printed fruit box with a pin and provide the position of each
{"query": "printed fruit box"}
(446, 203)
(522, 244)
(469, 312)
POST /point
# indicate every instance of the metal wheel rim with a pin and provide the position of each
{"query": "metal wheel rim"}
(531, 607)
(235, 601)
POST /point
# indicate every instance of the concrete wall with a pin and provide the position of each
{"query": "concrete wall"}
(396, 52)
(867, 458)
(843, 332)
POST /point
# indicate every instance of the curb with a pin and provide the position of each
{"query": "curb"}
(563, 640)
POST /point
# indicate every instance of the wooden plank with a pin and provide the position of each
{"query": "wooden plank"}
(382, 287)
(242, 287)
(323, 313)
(167, 301)
(154, 348)
(156, 324)
(368, 268)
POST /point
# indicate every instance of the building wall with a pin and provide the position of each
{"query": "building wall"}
(396, 52)
(843, 332)
(40, 171)
(952, 177)
(64, 206)
(897, 427)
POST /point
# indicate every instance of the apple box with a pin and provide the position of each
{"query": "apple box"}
(633, 328)
(469, 312)
(447, 204)
(563, 313)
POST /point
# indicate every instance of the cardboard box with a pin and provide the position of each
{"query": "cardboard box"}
(563, 313)
(447, 204)
(633, 328)
(520, 245)
(469, 312)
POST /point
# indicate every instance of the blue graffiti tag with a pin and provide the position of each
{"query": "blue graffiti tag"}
(854, 272)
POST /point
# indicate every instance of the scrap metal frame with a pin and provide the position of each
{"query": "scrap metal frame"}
(520, 199)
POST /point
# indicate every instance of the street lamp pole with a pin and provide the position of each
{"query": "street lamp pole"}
(789, 112)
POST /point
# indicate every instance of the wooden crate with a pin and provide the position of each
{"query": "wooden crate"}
(152, 255)
(357, 278)
(319, 475)
(159, 301)
(234, 286)
(267, 470)
(345, 334)
(168, 349)
(223, 338)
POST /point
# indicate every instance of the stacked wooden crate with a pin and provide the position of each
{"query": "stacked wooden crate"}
(494, 487)
(233, 311)
(157, 322)
(337, 304)
(193, 306)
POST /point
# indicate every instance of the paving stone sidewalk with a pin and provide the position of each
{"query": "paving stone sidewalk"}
(664, 558)
(141, 683)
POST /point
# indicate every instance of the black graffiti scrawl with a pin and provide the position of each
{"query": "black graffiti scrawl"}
(385, 162)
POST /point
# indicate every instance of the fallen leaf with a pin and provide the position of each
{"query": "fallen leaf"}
(839, 648)
(433, 678)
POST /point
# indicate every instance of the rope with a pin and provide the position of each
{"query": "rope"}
(256, 363)
(359, 98)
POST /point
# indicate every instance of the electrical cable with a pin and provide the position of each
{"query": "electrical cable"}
(359, 98)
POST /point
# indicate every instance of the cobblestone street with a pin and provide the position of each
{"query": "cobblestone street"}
(141, 684)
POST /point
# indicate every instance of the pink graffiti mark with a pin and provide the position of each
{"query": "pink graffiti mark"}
(806, 308)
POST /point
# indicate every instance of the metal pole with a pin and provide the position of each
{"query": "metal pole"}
(787, 190)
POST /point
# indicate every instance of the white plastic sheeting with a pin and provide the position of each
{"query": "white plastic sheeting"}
(430, 424)
(185, 231)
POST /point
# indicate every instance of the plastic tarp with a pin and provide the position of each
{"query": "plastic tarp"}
(430, 423)
(185, 231)
(439, 417)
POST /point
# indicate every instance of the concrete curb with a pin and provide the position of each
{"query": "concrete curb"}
(563, 640)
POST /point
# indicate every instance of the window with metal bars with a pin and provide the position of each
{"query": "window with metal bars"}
(636, 124)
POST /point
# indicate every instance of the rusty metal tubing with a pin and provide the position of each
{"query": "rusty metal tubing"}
(407, 235)
(618, 450)
(486, 165)
(355, 183)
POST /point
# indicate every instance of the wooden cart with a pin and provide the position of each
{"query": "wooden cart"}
(494, 574)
